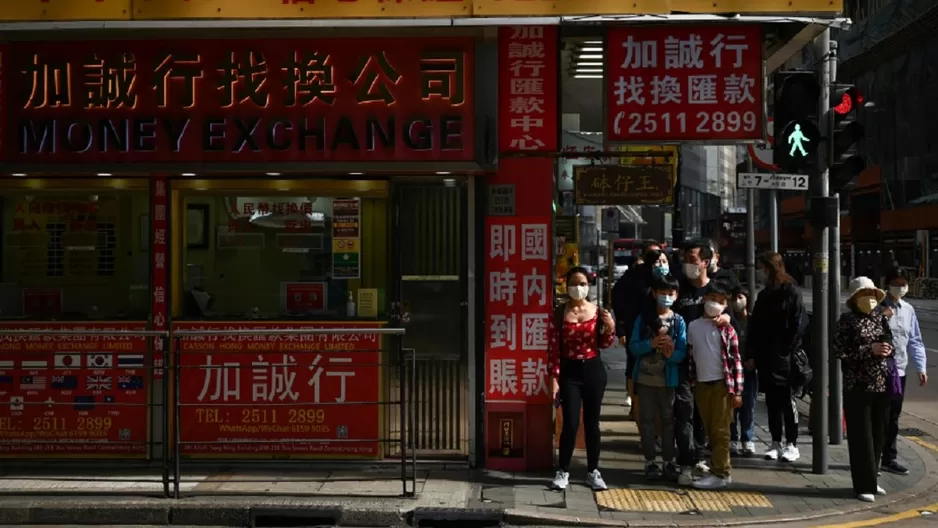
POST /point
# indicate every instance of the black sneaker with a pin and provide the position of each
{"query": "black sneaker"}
(652, 471)
(893, 466)
(671, 471)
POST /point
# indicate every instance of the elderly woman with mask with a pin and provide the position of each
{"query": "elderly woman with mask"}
(863, 344)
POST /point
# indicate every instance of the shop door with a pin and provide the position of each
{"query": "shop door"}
(430, 241)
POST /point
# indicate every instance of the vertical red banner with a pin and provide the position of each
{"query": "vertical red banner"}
(159, 247)
(518, 304)
(528, 89)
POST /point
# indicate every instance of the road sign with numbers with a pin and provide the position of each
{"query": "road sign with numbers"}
(785, 182)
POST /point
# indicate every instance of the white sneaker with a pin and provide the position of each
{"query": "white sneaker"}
(702, 467)
(734, 448)
(749, 448)
(710, 482)
(628, 401)
(686, 478)
(561, 480)
(595, 481)
(880, 490)
(772, 453)
(790, 453)
(866, 497)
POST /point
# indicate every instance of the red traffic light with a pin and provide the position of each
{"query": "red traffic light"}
(848, 101)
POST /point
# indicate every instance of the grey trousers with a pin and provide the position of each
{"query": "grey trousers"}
(657, 401)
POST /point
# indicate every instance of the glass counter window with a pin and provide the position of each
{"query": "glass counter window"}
(284, 257)
(70, 255)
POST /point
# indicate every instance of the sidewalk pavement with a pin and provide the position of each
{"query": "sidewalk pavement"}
(762, 492)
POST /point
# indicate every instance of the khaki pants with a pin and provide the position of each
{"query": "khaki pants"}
(716, 412)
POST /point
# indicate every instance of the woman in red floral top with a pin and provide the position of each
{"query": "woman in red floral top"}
(578, 375)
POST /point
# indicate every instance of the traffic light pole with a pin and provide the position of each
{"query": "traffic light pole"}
(773, 220)
(750, 241)
(836, 404)
(820, 221)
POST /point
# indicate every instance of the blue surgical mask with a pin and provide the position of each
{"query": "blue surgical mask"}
(665, 300)
(660, 270)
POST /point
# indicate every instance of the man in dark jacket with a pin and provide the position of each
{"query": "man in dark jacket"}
(627, 294)
(722, 274)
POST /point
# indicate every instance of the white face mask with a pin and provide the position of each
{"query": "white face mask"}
(713, 308)
(739, 305)
(713, 264)
(578, 293)
(898, 291)
(691, 271)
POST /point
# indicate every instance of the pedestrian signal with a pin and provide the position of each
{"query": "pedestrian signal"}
(796, 130)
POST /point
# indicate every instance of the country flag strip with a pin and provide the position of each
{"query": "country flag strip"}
(35, 365)
(6, 365)
(130, 361)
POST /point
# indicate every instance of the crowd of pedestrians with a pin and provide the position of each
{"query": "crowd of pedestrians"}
(699, 352)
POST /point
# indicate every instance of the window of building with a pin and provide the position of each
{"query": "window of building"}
(283, 257)
(73, 255)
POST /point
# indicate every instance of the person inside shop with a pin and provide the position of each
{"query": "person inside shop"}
(908, 348)
(775, 333)
(576, 334)
(659, 343)
(690, 306)
(742, 430)
(716, 371)
(863, 343)
(629, 296)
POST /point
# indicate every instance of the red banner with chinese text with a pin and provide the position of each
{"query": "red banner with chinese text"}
(297, 391)
(527, 89)
(518, 303)
(73, 396)
(239, 100)
(684, 83)
(159, 274)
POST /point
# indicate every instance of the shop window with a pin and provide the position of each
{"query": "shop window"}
(283, 257)
(69, 255)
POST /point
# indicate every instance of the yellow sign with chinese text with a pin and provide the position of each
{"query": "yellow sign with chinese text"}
(345, 245)
(249, 9)
(57, 10)
(504, 8)
(368, 302)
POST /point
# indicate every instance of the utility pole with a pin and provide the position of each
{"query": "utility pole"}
(820, 220)
(773, 220)
(836, 403)
(677, 221)
(750, 241)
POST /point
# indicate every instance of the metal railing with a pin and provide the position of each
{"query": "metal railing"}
(180, 436)
(28, 468)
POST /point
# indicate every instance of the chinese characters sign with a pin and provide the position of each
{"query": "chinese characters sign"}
(241, 100)
(73, 395)
(300, 390)
(527, 88)
(624, 185)
(518, 305)
(159, 244)
(684, 83)
(346, 238)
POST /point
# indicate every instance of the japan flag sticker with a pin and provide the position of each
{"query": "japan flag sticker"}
(67, 361)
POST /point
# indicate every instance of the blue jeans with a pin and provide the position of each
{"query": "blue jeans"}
(743, 417)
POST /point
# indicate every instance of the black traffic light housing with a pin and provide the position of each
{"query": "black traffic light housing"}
(845, 164)
(795, 112)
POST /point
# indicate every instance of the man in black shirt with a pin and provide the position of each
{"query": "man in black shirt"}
(721, 274)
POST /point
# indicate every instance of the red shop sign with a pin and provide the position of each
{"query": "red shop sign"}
(183, 100)
(518, 304)
(246, 388)
(527, 88)
(684, 83)
(73, 395)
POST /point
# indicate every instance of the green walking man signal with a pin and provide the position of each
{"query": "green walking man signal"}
(795, 139)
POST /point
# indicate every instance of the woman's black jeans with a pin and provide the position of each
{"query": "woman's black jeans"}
(582, 384)
(867, 415)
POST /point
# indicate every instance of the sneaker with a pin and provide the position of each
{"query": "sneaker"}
(749, 448)
(773, 452)
(790, 453)
(671, 471)
(561, 480)
(880, 490)
(686, 478)
(652, 471)
(710, 482)
(628, 401)
(866, 497)
(893, 466)
(734, 448)
(595, 481)
(702, 467)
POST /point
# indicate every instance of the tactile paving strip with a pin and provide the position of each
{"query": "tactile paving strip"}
(666, 501)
